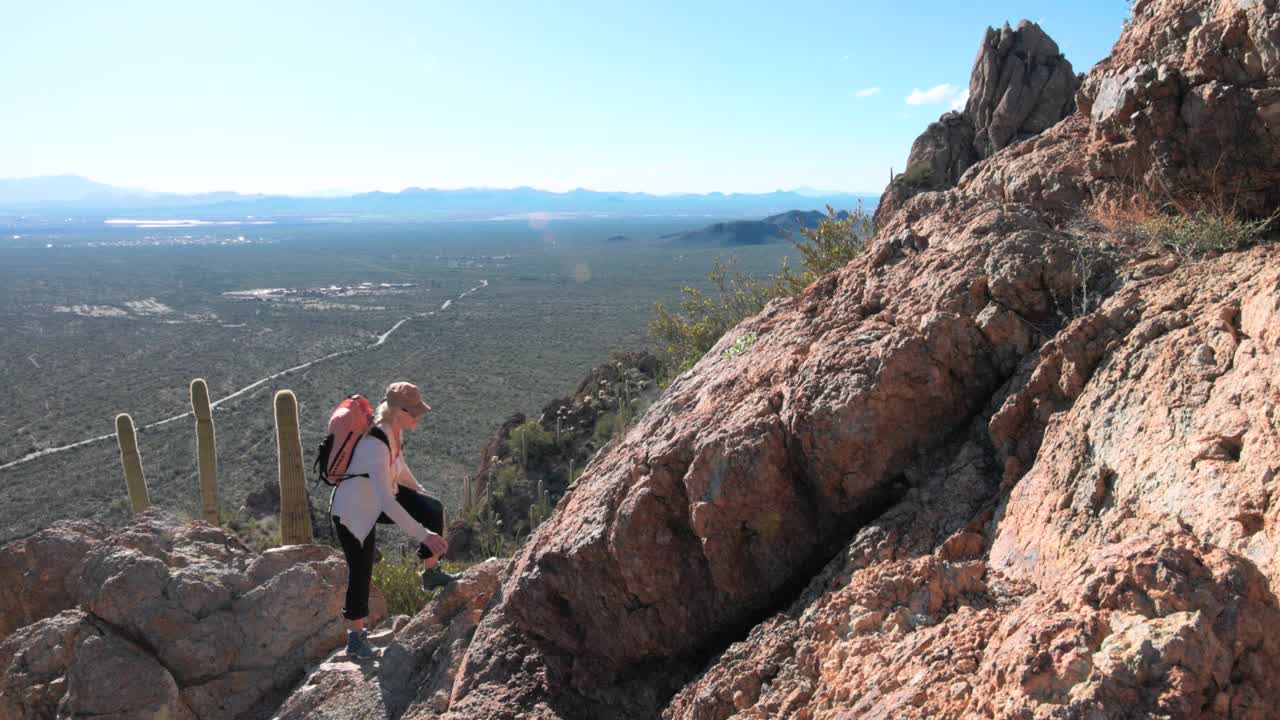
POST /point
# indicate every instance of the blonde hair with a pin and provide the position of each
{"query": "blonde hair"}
(383, 412)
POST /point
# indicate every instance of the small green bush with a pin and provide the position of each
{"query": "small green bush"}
(740, 345)
(919, 175)
(529, 438)
(507, 481)
(831, 245)
(398, 576)
(257, 534)
(607, 425)
(683, 336)
(1201, 232)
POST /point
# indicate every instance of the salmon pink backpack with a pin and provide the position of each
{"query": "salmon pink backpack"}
(349, 422)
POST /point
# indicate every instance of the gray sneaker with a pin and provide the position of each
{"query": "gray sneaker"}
(358, 647)
(436, 577)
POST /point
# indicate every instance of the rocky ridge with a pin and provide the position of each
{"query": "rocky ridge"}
(917, 495)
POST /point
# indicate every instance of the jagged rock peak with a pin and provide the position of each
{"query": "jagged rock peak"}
(1021, 86)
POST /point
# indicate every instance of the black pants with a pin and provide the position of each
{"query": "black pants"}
(425, 509)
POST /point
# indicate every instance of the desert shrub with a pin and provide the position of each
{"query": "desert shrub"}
(608, 425)
(257, 534)
(1119, 216)
(528, 438)
(1202, 232)
(919, 175)
(506, 482)
(398, 576)
(1189, 226)
(683, 336)
(830, 246)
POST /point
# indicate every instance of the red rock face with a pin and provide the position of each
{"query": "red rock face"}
(925, 491)
(35, 572)
(1189, 102)
(1191, 369)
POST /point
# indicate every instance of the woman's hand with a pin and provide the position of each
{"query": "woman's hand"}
(437, 545)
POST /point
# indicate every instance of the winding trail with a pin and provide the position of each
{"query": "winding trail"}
(247, 388)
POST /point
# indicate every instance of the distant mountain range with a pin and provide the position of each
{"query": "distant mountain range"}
(73, 195)
(775, 228)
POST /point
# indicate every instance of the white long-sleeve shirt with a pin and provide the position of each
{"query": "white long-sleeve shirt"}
(358, 501)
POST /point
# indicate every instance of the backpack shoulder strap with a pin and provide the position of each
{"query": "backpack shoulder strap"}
(376, 431)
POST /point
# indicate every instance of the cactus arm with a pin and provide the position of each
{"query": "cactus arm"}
(206, 451)
(295, 516)
(134, 480)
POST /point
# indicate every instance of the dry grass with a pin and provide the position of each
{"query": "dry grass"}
(1191, 228)
(1118, 216)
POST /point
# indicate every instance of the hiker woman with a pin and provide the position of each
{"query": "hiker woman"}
(381, 488)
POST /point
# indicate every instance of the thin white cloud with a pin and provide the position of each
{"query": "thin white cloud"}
(868, 92)
(944, 93)
(959, 102)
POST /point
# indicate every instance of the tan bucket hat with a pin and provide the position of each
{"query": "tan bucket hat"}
(407, 397)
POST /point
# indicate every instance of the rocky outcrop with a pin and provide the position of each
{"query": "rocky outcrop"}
(753, 470)
(1021, 85)
(175, 619)
(35, 572)
(1186, 110)
(929, 489)
(1187, 364)
(1080, 591)
(1195, 109)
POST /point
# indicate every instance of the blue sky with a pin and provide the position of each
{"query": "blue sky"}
(653, 96)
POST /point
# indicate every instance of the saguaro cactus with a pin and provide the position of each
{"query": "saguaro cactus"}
(206, 451)
(132, 462)
(295, 518)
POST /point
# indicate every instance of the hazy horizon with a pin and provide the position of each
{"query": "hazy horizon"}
(304, 98)
(334, 193)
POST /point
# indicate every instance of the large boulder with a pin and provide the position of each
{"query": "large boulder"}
(191, 621)
(34, 572)
(1133, 565)
(1165, 411)
(1189, 102)
(753, 469)
(35, 660)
